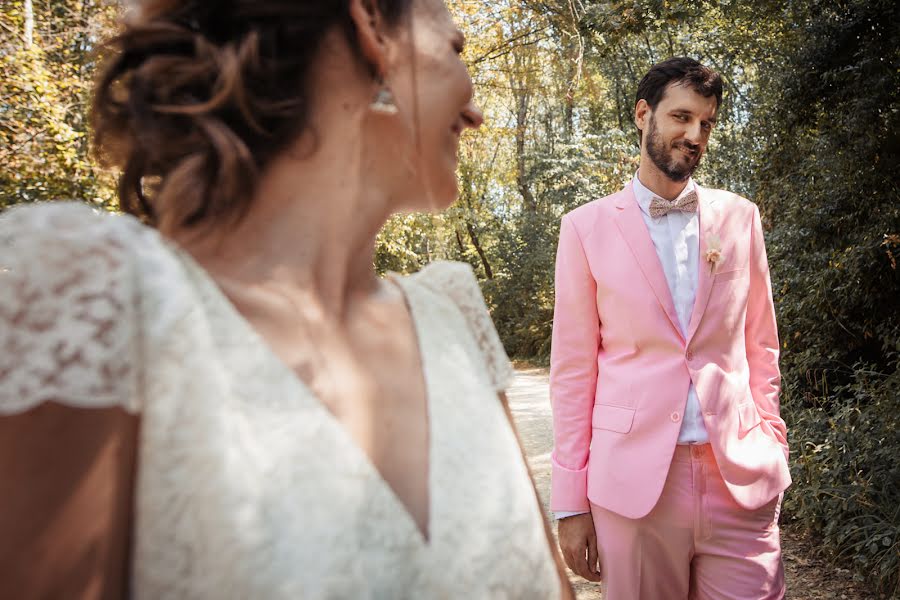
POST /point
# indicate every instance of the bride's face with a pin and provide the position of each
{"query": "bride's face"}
(433, 92)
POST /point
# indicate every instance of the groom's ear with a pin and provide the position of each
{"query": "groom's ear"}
(642, 112)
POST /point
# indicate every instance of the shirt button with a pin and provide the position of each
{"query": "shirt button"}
(675, 417)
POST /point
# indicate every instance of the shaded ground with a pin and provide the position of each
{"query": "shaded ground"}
(808, 578)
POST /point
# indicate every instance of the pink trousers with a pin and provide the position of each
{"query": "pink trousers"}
(697, 543)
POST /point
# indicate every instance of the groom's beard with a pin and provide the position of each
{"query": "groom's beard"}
(671, 166)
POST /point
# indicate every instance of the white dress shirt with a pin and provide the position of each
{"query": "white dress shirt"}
(676, 237)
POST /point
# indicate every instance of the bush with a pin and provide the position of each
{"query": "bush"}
(847, 476)
(827, 185)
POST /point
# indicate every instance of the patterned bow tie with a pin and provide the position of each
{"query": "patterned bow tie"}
(686, 203)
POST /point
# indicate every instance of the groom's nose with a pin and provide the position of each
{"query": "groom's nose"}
(694, 133)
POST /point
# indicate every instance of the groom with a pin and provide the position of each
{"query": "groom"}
(670, 456)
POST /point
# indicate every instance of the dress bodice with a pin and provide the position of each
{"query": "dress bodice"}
(247, 486)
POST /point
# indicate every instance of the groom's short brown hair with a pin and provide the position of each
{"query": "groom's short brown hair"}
(683, 70)
(680, 69)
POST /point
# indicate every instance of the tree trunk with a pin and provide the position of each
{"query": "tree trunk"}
(520, 72)
(473, 237)
(619, 105)
(29, 23)
(521, 126)
(484, 261)
(572, 74)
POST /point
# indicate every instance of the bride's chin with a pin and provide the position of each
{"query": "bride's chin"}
(434, 196)
(419, 200)
(436, 203)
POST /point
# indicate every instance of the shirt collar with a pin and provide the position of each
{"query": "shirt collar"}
(644, 196)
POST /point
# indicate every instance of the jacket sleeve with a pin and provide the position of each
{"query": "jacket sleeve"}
(573, 371)
(761, 335)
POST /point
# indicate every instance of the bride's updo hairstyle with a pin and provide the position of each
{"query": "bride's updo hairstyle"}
(196, 97)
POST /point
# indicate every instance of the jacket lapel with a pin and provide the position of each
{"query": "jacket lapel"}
(634, 230)
(709, 222)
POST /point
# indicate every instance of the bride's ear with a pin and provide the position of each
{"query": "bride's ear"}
(370, 33)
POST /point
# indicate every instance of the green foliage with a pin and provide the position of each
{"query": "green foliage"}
(847, 477)
(407, 243)
(827, 181)
(829, 184)
(44, 89)
(566, 176)
(522, 293)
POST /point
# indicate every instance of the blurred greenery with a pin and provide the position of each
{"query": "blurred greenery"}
(45, 82)
(808, 130)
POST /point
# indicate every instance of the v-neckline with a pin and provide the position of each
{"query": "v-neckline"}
(424, 538)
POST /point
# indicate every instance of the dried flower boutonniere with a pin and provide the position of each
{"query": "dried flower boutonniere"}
(714, 250)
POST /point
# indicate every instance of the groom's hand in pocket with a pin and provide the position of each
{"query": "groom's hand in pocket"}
(578, 543)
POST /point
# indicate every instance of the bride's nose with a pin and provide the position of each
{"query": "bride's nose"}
(472, 116)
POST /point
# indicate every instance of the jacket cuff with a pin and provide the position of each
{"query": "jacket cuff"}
(568, 489)
(565, 514)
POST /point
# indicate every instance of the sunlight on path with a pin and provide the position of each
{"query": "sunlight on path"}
(529, 399)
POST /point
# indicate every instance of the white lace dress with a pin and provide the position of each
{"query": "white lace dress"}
(247, 486)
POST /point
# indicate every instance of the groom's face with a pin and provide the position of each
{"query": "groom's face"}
(677, 131)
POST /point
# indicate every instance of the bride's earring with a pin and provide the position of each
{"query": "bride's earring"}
(384, 102)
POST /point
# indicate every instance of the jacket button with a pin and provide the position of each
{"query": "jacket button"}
(675, 417)
(689, 355)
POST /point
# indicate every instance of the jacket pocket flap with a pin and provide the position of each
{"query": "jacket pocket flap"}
(748, 416)
(729, 275)
(613, 418)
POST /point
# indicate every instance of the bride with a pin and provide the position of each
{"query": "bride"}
(215, 396)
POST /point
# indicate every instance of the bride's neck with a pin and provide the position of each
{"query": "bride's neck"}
(311, 225)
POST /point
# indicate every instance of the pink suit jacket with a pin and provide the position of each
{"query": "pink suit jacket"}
(621, 367)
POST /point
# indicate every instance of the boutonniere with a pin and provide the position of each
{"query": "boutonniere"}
(714, 250)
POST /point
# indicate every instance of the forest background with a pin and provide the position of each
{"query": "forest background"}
(808, 130)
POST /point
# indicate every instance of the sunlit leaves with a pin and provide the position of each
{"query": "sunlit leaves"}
(44, 90)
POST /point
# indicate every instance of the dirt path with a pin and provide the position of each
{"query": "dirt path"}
(808, 578)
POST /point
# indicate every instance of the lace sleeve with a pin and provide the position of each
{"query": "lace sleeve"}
(457, 281)
(67, 308)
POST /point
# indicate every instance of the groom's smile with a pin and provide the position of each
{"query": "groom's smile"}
(689, 153)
